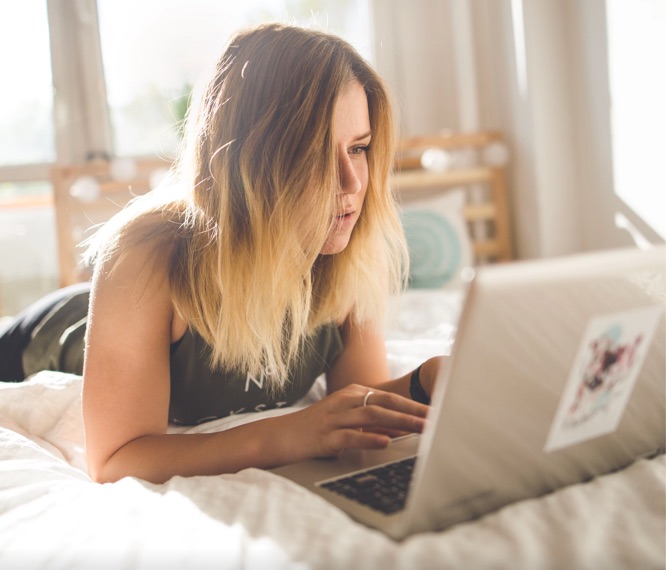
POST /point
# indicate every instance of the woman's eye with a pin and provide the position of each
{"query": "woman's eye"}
(358, 150)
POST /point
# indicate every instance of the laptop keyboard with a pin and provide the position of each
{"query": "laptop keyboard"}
(382, 488)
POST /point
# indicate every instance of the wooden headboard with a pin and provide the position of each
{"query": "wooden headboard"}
(474, 161)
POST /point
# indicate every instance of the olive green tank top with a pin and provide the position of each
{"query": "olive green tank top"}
(198, 392)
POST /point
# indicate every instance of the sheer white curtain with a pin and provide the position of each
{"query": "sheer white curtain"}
(541, 76)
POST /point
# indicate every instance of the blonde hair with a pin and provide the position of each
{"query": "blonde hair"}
(261, 169)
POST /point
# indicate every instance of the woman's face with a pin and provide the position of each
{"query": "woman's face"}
(351, 125)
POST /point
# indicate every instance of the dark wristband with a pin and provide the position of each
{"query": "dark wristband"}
(416, 391)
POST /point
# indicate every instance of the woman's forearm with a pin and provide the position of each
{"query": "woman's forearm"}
(157, 458)
(428, 374)
(337, 422)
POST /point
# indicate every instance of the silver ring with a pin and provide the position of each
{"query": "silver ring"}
(367, 396)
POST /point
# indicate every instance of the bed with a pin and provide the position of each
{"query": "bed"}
(52, 515)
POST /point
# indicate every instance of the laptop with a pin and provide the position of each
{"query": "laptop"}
(557, 375)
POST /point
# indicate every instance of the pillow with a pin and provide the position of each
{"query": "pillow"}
(438, 240)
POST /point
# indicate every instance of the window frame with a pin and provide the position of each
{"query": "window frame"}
(82, 128)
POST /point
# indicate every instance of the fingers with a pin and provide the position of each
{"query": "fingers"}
(392, 433)
(355, 396)
(354, 439)
(378, 411)
(352, 419)
(378, 418)
(397, 403)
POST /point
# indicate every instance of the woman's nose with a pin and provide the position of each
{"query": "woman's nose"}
(350, 183)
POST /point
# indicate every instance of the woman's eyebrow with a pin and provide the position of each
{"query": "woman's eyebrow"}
(363, 136)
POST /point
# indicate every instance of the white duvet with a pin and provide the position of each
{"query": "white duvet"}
(53, 516)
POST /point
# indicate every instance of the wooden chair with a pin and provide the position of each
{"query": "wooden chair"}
(487, 208)
(87, 195)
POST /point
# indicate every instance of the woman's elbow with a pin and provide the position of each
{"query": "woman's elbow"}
(104, 468)
(99, 472)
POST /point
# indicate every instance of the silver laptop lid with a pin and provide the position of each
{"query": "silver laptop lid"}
(557, 375)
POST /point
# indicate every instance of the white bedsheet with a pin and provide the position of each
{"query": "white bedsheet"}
(53, 516)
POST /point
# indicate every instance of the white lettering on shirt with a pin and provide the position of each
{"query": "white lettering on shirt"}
(260, 382)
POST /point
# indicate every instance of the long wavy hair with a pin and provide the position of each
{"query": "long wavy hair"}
(259, 191)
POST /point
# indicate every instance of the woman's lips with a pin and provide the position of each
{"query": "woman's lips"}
(345, 219)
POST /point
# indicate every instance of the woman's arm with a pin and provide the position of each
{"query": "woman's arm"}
(126, 395)
(364, 362)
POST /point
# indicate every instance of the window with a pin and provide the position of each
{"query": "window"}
(27, 142)
(26, 99)
(636, 48)
(28, 261)
(154, 51)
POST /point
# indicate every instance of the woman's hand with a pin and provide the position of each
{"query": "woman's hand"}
(343, 420)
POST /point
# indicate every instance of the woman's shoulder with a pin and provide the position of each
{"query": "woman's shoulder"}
(133, 263)
(133, 273)
(137, 285)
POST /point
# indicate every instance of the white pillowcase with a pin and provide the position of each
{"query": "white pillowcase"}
(438, 239)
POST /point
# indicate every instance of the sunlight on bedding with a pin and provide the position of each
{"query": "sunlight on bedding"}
(53, 516)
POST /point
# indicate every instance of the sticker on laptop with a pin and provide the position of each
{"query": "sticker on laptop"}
(602, 377)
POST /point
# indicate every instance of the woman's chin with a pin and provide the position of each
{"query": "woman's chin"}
(336, 244)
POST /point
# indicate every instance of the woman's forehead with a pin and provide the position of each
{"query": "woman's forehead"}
(351, 119)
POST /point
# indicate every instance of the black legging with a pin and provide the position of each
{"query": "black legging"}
(15, 336)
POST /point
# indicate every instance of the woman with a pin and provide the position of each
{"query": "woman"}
(271, 267)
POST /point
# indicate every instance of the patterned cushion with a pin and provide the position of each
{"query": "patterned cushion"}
(439, 244)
